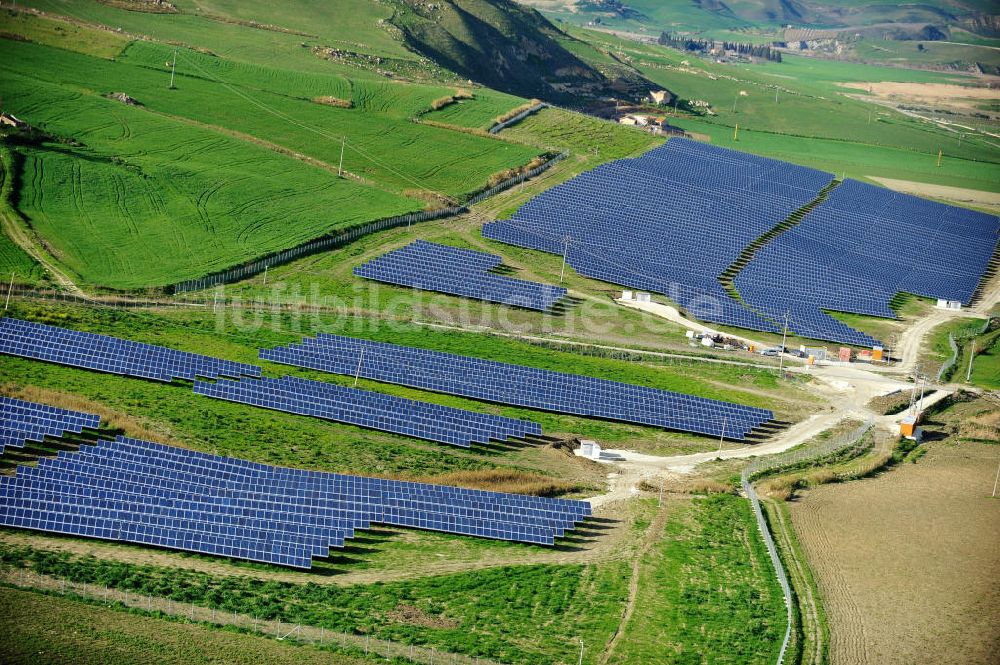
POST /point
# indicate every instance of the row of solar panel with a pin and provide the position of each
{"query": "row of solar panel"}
(143, 492)
(520, 385)
(704, 204)
(460, 272)
(668, 222)
(857, 250)
(373, 410)
(22, 421)
(110, 354)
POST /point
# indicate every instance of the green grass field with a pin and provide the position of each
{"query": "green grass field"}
(44, 628)
(478, 113)
(187, 165)
(706, 591)
(14, 261)
(503, 613)
(986, 366)
(279, 438)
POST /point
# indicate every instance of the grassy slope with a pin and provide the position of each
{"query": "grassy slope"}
(706, 591)
(13, 259)
(40, 629)
(503, 613)
(225, 39)
(175, 157)
(348, 24)
(277, 438)
(479, 113)
(812, 122)
(64, 35)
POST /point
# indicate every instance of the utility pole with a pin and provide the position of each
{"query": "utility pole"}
(784, 336)
(775, 94)
(940, 152)
(9, 289)
(562, 271)
(340, 169)
(923, 384)
(173, 68)
(736, 98)
(736, 132)
(968, 373)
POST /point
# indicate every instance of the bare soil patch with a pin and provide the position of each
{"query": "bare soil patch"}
(906, 562)
(415, 616)
(927, 93)
(975, 197)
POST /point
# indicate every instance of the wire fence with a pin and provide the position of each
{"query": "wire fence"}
(779, 568)
(790, 458)
(950, 363)
(293, 632)
(495, 129)
(337, 239)
(804, 454)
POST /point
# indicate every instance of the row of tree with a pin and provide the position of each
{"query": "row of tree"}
(762, 51)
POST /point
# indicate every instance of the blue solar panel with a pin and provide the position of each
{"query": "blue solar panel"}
(669, 222)
(858, 249)
(520, 385)
(460, 272)
(142, 492)
(110, 354)
(22, 421)
(672, 221)
(373, 410)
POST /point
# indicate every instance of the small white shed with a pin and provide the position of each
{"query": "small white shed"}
(590, 449)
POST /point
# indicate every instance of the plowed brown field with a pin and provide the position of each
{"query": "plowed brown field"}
(908, 564)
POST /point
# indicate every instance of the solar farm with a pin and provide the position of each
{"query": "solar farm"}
(731, 238)
(674, 220)
(181, 499)
(459, 272)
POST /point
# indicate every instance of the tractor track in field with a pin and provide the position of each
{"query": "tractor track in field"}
(653, 535)
(19, 232)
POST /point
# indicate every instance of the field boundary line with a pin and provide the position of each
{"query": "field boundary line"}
(498, 127)
(763, 465)
(809, 621)
(779, 569)
(21, 236)
(282, 631)
(330, 241)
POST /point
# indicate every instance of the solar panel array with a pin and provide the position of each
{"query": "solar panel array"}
(387, 413)
(22, 421)
(521, 386)
(459, 272)
(141, 492)
(858, 249)
(669, 222)
(111, 354)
